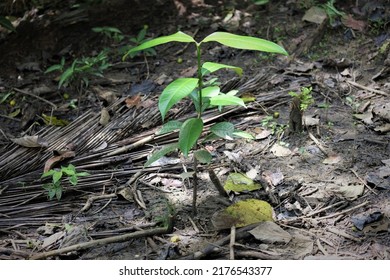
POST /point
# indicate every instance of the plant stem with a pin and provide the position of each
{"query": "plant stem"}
(195, 188)
(200, 80)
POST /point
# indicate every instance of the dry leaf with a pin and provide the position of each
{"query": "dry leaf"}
(49, 164)
(280, 151)
(104, 117)
(134, 101)
(350, 22)
(269, 232)
(332, 159)
(30, 141)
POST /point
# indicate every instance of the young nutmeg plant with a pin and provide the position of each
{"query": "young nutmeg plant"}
(203, 95)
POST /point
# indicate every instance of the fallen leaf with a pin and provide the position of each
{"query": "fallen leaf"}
(49, 164)
(134, 101)
(243, 213)
(174, 183)
(269, 232)
(148, 103)
(280, 151)
(52, 120)
(315, 14)
(273, 178)
(30, 141)
(104, 117)
(263, 134)
(238, 182)
(332, 159)
(350, 22)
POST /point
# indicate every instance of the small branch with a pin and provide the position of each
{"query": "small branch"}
(364, 183)
(232, 241)
(368, 88)
(108, 240)
(343, 212)
(214, 179)
(35, 96)
(195, 188)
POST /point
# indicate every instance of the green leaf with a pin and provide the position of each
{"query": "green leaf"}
(224, 100)
(65, 76)
(244, 42)
(174, 92)
(56, 67)
(48, 173)
(58, 192)
(4, 22)
(177, 37)
(57, 176)
(223, 129)
(169, 127)
(189, 134)
(70, 170)
(210, 67)
(159, 154)
(211, 91)
(203, 156)
(73, 180)
(82, 174)
(243, 134)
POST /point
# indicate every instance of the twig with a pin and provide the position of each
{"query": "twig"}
(343, 234)
(343, 212)
(92, 199)
(232, 241)
(324, 209)
(195, 187)
(368, 88)
(241, 233)
(10, 118)
(37, 97)
(108, 240)
(364, 183)
(194, 225)
(214, 179)
(321, 248)
(312, 137)
(131, 146)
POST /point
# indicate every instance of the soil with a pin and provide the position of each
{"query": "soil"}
(328, 185)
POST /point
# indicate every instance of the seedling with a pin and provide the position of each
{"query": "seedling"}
(54, 188)
(139, 40)
(299, 104)
(79, 72)
(203, 95)
(110, 32)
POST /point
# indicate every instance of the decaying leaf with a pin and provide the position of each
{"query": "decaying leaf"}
(238, 182)
(280, 151)
(52, 120)
(30, 141)
(332, 159)
(127, 194)
(269, 232)
(104, 117)
(134, 101)
(315, 14)
(243, 213)
(355, 24)
(171, 182)
(49, 164)
(273, 178)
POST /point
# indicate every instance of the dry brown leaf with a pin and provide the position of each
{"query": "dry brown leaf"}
(49, 164)
(134, 101)
(30, 141)
(104, 117)
(350, 22)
